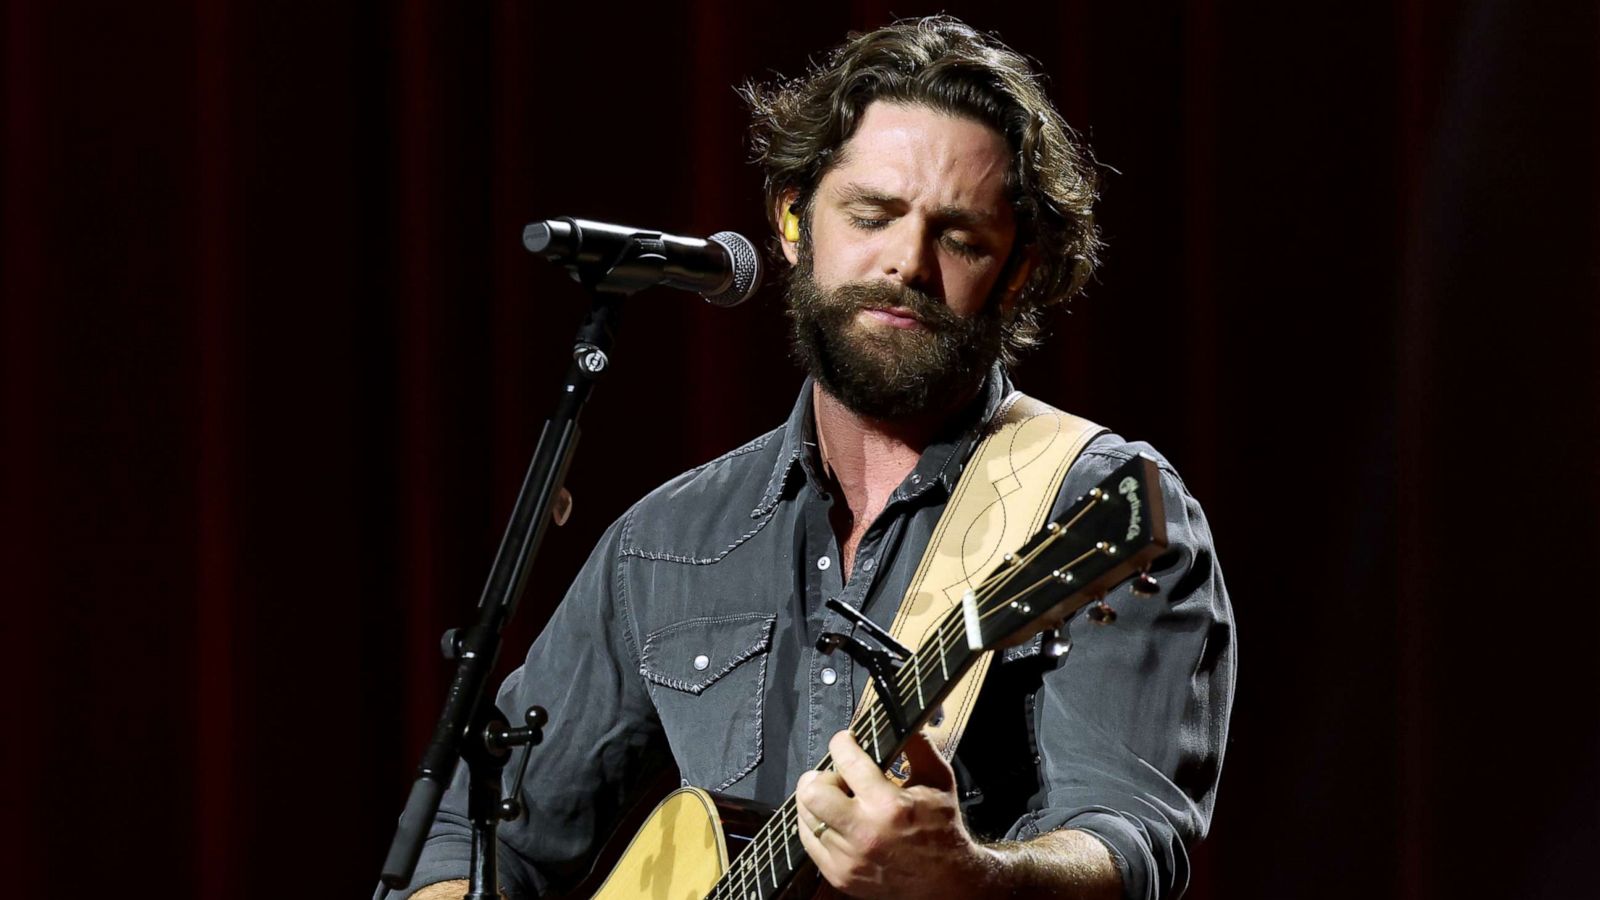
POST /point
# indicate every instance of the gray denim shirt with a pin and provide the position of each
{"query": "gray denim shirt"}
(689, 637)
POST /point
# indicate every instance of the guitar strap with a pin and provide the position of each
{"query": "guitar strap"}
(1002, 498)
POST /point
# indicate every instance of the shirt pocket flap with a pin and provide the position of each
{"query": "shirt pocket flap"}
(691, 655)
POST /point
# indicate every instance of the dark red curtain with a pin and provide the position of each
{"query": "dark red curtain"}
(274, 361)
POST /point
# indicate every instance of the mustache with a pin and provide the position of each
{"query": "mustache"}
(884, 294)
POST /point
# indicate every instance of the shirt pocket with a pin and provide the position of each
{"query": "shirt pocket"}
(707, 677)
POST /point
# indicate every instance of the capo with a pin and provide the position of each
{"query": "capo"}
(892, 647)
(880, 662)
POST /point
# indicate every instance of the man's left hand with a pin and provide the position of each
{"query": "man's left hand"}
(884, 840)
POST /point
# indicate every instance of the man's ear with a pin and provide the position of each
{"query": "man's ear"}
(787, 219)
(1017, 279)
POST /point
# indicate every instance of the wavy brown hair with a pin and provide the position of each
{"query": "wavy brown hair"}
(943, 64)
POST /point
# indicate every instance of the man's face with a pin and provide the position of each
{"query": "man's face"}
(897, 300)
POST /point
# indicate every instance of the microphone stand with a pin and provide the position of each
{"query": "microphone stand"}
(470, 727)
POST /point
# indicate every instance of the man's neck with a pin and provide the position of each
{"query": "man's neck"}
(866, 457)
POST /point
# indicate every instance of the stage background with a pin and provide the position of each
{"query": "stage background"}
(274, 360)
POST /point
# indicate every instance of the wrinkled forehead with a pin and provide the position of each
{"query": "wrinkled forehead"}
(925, 158)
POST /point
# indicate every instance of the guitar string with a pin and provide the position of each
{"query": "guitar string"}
(945, 640)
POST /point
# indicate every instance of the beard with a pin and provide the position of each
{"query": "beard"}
(883, 372)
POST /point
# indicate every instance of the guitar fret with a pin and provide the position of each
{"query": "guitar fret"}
(752, 877)
(750, 881)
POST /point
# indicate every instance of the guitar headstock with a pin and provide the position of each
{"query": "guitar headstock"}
(1109, 535)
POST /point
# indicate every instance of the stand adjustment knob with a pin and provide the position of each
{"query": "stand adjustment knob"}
(528, 735)
(450, 644)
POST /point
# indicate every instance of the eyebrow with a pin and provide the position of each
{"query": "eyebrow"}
(956, 215)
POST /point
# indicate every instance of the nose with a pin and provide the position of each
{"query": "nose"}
(909, 257)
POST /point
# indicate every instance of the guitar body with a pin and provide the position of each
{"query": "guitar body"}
(684, 847)
(677, 854)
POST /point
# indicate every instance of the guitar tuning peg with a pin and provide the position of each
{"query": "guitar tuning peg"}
(1055, 644)
(1102, 614)
(1145, 586)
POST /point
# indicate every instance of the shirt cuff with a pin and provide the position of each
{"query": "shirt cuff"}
(443, 859)
(1126, 838)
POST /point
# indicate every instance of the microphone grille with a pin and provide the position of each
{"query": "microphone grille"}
(746, 269)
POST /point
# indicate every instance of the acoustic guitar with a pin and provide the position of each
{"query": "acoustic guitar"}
(696, 846)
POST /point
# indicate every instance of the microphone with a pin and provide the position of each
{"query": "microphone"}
(725, 268)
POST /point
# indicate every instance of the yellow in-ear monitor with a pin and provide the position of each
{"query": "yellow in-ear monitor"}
(791, 226)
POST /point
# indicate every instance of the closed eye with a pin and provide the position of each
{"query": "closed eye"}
(962, 248)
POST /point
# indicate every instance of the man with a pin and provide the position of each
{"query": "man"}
(931, 202)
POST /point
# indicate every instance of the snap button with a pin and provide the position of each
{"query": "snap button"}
(823, 563)
(867, 564)
(829, 676)
(702, 661)
(915, 478)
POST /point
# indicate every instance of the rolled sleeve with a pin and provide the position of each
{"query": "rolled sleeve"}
(603, 744)
(1131, 725)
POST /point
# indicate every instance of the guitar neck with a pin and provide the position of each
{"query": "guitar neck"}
(775, 855)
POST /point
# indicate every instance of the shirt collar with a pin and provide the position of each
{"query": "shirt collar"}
(941, 462)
